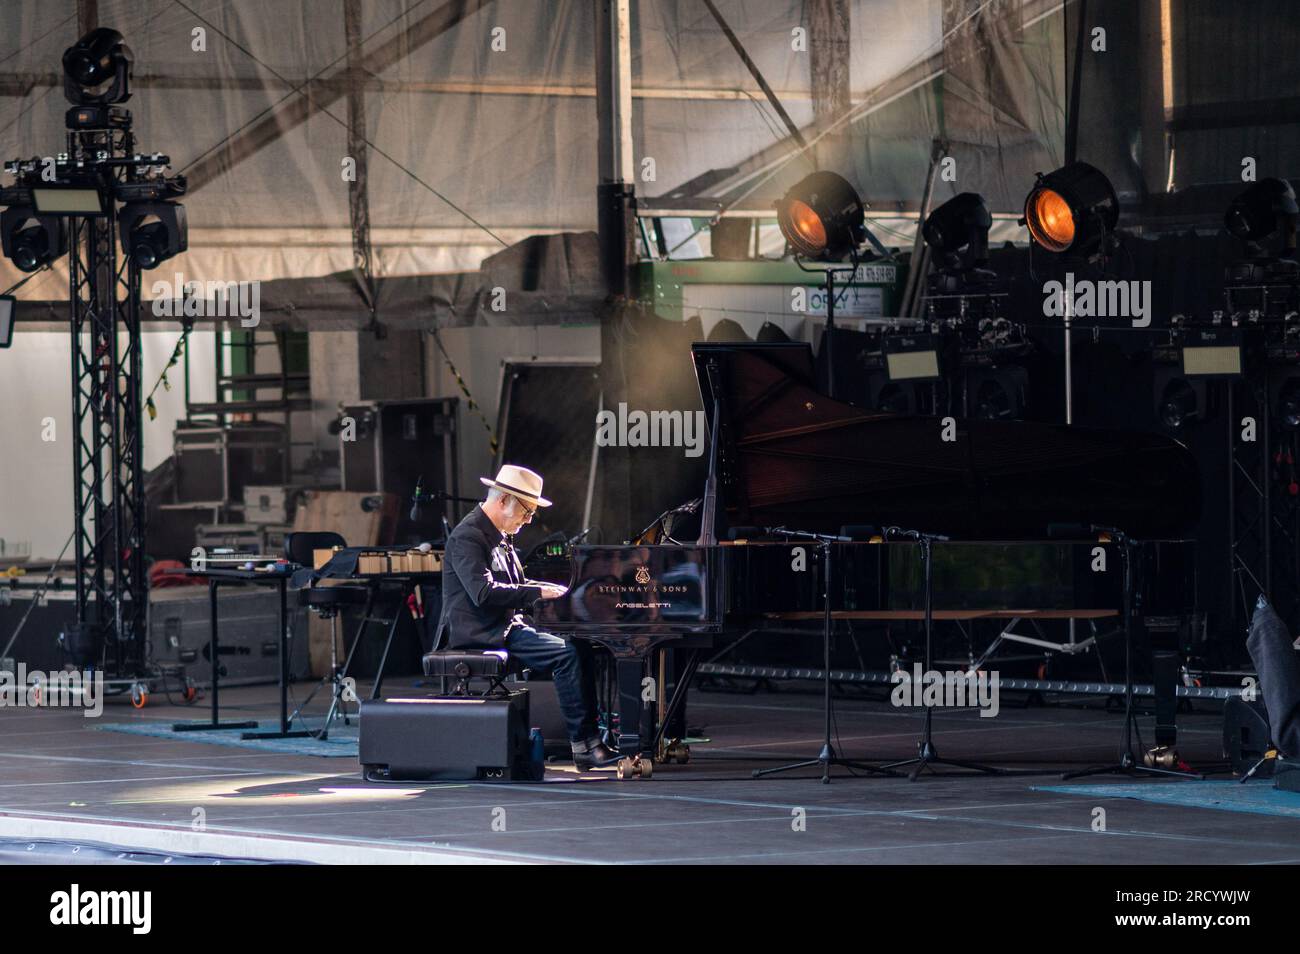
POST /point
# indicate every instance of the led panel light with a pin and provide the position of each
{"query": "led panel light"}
(1212, 360)
(68, 200)
(911, 358)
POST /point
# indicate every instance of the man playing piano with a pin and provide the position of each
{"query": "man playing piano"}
(485, 601)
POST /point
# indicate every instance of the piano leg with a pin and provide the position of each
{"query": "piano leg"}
(633, 742)
(668, 745)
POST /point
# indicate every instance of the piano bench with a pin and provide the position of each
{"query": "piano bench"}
(459, 667)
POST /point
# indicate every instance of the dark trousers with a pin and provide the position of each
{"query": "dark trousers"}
(569, 664)
(1279, 677)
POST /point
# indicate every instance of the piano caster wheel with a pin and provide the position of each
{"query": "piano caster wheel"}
(678, 752)
(635, 767)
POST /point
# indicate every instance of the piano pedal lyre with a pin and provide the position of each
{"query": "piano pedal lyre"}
(636, 767)
(675, 750)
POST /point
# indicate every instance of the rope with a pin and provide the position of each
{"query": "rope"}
(464, 389)
(149, 406)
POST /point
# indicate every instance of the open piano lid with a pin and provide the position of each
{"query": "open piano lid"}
(789, 455)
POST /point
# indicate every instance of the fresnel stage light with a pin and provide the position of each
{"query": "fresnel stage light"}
(822, 217)
(1072, 211)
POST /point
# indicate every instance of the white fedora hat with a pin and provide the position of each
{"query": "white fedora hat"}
(519, 482)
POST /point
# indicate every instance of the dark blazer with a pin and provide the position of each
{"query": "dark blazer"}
(483, 586)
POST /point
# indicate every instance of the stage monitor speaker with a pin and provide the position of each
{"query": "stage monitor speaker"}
(394, 444)
(449, 738)
(547, 423)
(213, 464)
(851, 349)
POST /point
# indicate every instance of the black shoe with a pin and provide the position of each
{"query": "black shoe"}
(595, 755)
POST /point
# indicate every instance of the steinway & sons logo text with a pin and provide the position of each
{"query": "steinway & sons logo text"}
(650, 592)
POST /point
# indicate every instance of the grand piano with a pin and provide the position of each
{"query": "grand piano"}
(1020, 504)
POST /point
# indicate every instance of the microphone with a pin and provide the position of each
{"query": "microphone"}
(415, 499)
(576, 539)
(914, 535)
(1068, 531)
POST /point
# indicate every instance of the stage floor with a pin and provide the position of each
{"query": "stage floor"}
(66, 781)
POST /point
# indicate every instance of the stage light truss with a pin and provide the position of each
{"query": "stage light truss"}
(109, 506)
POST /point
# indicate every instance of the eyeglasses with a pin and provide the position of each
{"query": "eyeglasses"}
(530, 511)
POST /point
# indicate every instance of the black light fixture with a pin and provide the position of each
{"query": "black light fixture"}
(958, 233)
(727, 329)
(822, 217)
(1261, 210)
(770, 331)
(894, 398)
(152, 232)
(1179, 404)
(998, 393)
(1072, 210)
(30, 239)
(97, 69)
(1288, 404)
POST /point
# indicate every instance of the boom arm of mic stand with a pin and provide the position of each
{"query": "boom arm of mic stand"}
(807, 535)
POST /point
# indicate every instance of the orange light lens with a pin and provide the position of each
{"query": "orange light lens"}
(804, 228)
(1050, 220)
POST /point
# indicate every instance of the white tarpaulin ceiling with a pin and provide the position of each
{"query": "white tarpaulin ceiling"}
(480, 115)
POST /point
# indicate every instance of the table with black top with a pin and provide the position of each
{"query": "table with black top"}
(232, 576)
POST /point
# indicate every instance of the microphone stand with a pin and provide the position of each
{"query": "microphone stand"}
(420, 497)
(1128, 763)
(827, 757)
(927, 754)
(687, 508)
